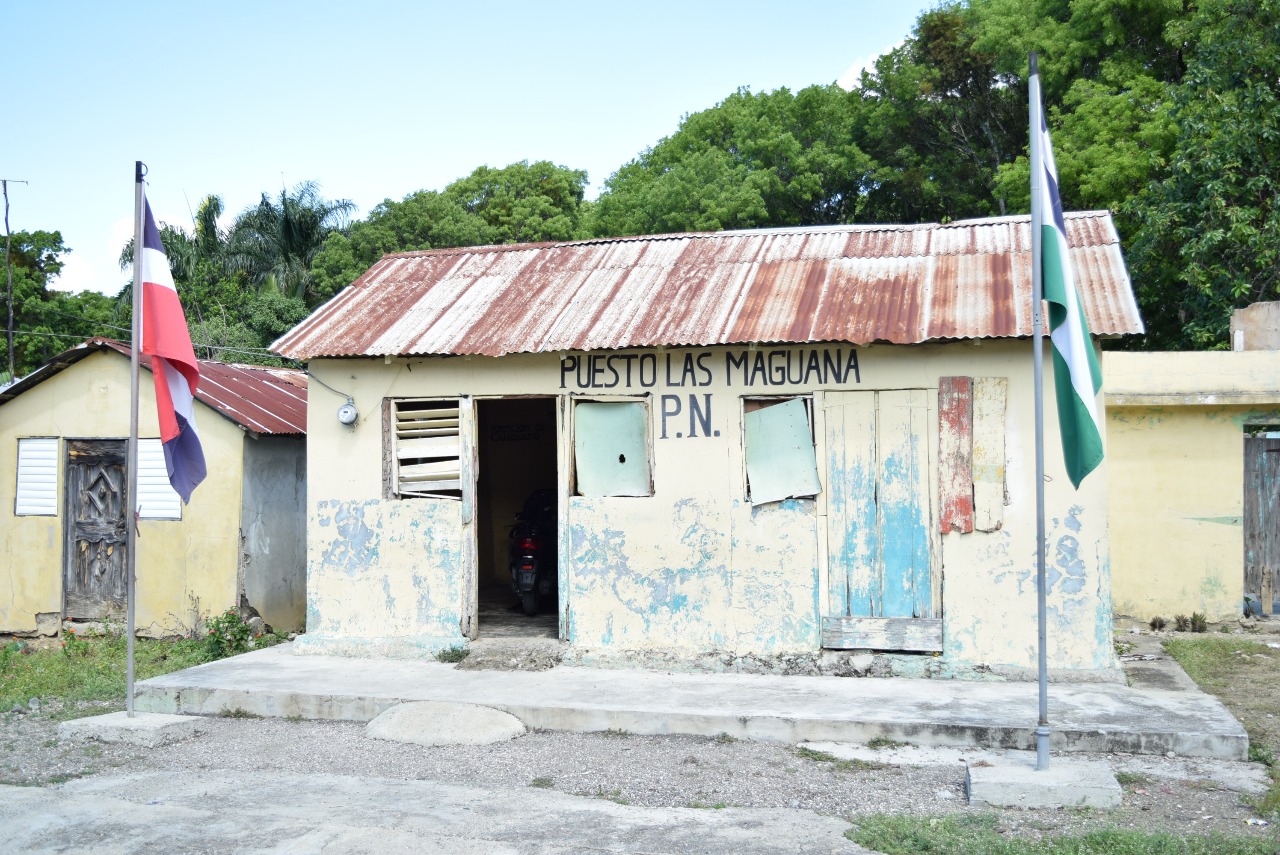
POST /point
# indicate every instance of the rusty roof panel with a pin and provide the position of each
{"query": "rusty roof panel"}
(851, 283)
(261, 399)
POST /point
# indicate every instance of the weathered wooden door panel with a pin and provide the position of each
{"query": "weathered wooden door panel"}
(1262, 517)
(880, 579)
(94, 529)
(852, 531)
(902, 497)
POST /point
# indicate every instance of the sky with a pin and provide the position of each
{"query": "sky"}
(372, 100)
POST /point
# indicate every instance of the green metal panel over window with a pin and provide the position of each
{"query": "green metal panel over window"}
(781, 462)
(611, 448)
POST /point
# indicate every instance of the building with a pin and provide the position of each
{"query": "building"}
(241, 540)
(1194, 445)
(769, 448)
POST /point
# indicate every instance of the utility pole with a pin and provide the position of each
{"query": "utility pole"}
(8, 268)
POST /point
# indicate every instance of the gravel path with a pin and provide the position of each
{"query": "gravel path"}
(1167, 794)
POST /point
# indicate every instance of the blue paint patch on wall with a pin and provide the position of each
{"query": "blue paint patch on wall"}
(357, 543)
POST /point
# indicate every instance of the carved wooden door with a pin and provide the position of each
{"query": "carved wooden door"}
(94, 553)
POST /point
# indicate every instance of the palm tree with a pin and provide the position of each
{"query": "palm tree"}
(275, 243)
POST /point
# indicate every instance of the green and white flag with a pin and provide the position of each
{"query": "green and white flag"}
(1077, 377)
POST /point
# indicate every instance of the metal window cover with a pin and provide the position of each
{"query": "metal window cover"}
(859, 284)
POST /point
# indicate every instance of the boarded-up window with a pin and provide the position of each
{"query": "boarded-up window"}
(426, 449)
(611, 448)
(156, 497)
(781, 461)
(971, 452)
(37, 493)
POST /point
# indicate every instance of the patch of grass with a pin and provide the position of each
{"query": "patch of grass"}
(1241, 674)
(616, 733)
(704, 806)
(977, 833)
(453, 654)
(879, 742)
(238, 712)
(63, 777)
(838, 764)
(542, 783)
(612, 795)
(726, 739)
(89, 668)
(1132, 779)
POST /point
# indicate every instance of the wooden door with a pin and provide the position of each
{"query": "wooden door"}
(94, 527)
(880, 557)
(1262, 517)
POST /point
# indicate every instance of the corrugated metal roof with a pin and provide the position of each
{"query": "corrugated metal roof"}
(263, 400)
(851, 283)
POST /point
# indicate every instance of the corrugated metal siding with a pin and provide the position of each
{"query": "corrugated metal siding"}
(856, 284)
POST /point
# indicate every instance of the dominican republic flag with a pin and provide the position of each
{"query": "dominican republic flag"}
(173, 363)
(1076, 374)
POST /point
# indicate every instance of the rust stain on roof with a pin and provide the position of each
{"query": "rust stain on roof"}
(851, 283)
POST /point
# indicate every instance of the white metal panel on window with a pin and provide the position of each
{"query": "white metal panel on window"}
(611, 449)
(37, 491)
(781, 461)
(157, 499)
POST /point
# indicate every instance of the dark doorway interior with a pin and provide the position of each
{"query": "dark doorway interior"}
(517, 455)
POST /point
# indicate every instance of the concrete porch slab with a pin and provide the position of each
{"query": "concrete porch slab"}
(1084, 717)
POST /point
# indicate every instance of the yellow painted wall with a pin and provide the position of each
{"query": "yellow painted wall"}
(694, 568)
(177, 560)
(1175, 428)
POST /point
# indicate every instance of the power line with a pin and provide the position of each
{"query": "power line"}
(262, 351)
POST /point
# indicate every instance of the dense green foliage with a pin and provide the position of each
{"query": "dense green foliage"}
(51, 320)
(1162, 111)
(518, 204)
(87, 669)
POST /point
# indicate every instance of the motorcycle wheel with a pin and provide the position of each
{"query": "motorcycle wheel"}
(529, 599)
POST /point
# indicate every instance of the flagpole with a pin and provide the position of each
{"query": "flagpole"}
(1037, 347)
(131, 463)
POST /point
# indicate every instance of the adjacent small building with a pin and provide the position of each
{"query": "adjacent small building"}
(1194, 447)
(786, 448)
(241, 540)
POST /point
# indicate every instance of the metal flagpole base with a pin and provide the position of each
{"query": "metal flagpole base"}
(1042, 747)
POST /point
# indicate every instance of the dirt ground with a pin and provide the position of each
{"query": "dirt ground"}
(1178, 795)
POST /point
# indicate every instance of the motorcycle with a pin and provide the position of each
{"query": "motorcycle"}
(531, 548)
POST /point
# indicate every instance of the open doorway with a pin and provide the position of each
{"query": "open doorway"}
(517, 458)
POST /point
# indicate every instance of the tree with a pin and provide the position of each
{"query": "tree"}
(1207, 235)
(47, 321)
(940, 118)
(522, 202)
(274, 243)
(773, 159)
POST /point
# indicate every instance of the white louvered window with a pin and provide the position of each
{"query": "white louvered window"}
(37, 493)
(426, 449)
(157, 500)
